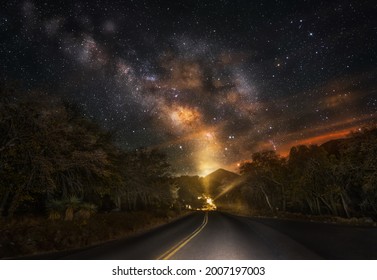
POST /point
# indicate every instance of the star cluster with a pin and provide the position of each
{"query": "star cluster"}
(208, 82)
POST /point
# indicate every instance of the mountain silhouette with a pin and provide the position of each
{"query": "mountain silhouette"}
(217, 181)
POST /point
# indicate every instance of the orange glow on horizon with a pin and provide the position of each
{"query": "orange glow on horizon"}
(285, 149)
(317, 140)
(320, 139)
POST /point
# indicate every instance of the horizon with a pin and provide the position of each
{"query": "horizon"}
(234, 167)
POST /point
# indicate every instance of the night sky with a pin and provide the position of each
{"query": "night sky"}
(207, 82)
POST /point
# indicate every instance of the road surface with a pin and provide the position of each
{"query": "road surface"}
(216, 235)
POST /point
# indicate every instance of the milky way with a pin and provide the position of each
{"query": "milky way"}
(207, 82)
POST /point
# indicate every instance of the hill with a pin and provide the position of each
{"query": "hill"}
(221, 175)
(218, 181)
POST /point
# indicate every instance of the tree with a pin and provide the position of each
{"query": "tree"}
(358, 170)
(267, 173)
(315, 178)
(144, 180)
(46, 153)
(190, 188)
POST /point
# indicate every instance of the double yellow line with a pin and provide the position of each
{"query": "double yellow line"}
(172, 251)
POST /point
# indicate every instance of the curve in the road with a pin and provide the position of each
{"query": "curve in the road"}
(172, 251)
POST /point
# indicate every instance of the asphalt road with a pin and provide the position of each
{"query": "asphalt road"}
(217, 235)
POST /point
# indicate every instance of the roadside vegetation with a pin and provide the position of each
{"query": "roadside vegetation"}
(57, 163)
(336, 179)
(30, 234)
(64, 183)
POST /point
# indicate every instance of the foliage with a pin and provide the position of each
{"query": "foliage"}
(189, 189)
(337, 178)
(49, 152)
(55, 208)
(267, 177)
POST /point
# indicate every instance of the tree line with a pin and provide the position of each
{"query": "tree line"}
(338, 178)
(51, 157)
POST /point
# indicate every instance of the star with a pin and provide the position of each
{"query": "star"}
(207, 88)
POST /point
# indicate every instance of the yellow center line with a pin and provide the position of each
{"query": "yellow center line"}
(173, 250)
